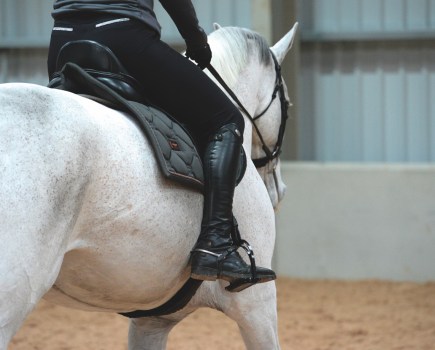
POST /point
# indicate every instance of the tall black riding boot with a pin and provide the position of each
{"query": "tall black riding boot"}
(215, 255)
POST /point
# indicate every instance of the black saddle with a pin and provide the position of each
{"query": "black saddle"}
(102, 64)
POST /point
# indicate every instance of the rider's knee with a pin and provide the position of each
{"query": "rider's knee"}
(238, 120)
(234, 116)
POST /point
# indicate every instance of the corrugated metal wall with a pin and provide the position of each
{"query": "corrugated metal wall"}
(321, 17)
(367, 82)
(25, 23)
(225, 12)
(367, 87)
(25, 27)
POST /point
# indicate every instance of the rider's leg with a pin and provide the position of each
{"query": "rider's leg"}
(214, 255)
(223, 124)
(178, 86)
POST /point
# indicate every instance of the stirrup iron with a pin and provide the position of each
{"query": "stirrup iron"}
(243, 283)
(237, 285)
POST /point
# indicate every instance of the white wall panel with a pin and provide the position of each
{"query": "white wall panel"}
(416, 15)
(321, 18)
(366, 81)
(395, 19)
(371, 16)
(324, 15)
(431, 13)
(367, 102)
(348, 15)
(357, 221)
(430, 57)
(394, 108)
(371, 107)
(25, 23)
(23, 65)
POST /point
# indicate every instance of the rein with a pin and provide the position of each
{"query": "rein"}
(279, 89)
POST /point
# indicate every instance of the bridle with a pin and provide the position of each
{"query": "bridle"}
(279, 89)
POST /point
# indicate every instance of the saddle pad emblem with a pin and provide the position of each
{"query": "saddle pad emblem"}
(174, 145)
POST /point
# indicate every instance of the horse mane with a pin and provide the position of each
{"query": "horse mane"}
(232, 48)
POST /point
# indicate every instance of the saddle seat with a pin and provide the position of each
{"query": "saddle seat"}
(102, 64)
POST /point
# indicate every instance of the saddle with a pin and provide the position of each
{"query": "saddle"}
(102, 64)
(92, 70)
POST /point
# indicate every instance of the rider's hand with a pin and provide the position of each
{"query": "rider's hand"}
(201, 54)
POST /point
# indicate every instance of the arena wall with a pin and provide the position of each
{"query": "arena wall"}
(357, 221)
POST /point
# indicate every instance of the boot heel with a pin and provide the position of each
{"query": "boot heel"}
(240, 284)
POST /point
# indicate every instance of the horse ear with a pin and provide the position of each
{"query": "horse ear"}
(283, 46)
(216, 26)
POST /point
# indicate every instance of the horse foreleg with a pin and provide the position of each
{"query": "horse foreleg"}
(149, 333)
(29, 264)
(23, 282)
(34, 237)
(255, 311)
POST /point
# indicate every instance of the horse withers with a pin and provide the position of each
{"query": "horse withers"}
(87, 220)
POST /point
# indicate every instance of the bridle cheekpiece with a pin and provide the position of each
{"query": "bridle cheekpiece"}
(278, 90)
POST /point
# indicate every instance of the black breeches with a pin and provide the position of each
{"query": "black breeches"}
(170, 80)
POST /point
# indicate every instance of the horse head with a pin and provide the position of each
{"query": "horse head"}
(252, 70)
